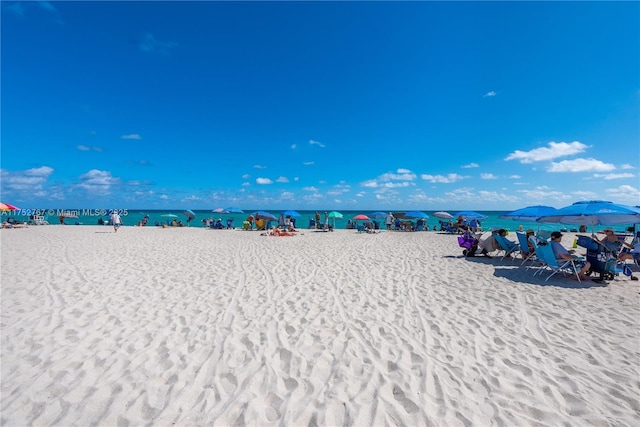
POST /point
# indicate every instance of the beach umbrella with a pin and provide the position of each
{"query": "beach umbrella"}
(416, 214)
(530, 213)
(169, 215)
(264, 215)
(594, 212)
(233, 210)
(190, 215)
(8, 207)
(443, 215)
(291, 213)
(361, 217)
(334, 215)
(378, 215)
(469, 215)
(220, 211)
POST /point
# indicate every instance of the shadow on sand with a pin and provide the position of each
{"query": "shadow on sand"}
(517, 273)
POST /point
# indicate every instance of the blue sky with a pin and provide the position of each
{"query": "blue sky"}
(315, 105)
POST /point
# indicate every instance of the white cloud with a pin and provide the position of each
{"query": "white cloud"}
(397, 184)
(259, 167)
(319, 144)
(462, 194)
(399, 175)
(287, 195)
(245, 184)
(314, 189)
(192, 198)
(555, 150)
(625, 194)
(470, 165)
(488, 176)
(580, 165)
(610, 176)
(131, 136)
(294, 146)
(442, 179)
(246, 176)
(149, 44)
(372, 183)
(545, 194)
(308, 163)
(339, 189)
(98, 181)
(490, 93)
(282, 179)
(19, 8)
(493, 196)
(29, 180)
(263, 181)
(627, 166)
(515, 177)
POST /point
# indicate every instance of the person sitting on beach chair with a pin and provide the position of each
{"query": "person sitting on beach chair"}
(631, 251)
(562, 254)
(490, 244)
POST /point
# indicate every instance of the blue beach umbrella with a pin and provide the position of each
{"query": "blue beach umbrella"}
(291, 213)
(594, 212)
(416, 214)
(469, 215)
(530, 213)
(234, 210)
(264, 215)
(378, 215)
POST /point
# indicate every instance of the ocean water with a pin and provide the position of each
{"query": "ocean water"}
(133, 217)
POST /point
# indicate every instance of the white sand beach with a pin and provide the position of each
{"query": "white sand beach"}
(193, 327)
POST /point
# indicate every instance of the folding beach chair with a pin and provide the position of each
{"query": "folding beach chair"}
(525, 252)
(507, 246)
(559, 265)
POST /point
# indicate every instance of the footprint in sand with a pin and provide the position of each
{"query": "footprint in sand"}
(407, 404)
(229, 382)
(290, 384)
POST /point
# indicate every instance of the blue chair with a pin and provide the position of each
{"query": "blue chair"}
(507, 246)
(525, 253)
(558, 265)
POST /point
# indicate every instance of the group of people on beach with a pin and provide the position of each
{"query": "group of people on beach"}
(614, 243)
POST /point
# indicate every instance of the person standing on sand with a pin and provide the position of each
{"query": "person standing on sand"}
(115, 220)
(389, 221)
